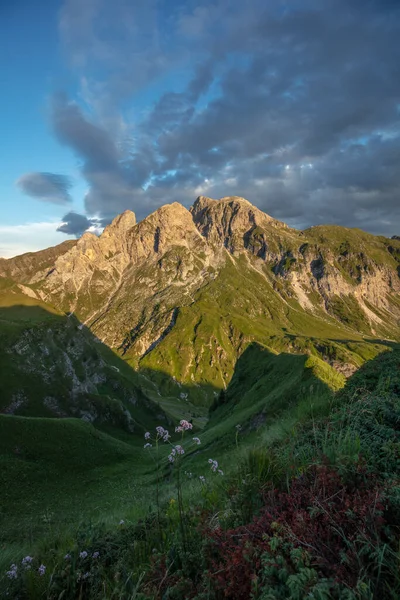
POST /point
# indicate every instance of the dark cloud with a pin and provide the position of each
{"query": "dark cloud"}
(48, 187)
(292, 105)
(75, 224)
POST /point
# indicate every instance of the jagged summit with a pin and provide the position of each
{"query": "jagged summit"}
(236, 203)
(121, 223)
(232, 221)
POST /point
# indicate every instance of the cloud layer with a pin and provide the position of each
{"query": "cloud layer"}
(48, 187)
(293, 105)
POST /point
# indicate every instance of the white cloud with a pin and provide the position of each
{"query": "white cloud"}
(29, 237)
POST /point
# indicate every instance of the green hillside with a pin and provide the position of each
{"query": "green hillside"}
(50, 366)
(310, 468)
(55, 472)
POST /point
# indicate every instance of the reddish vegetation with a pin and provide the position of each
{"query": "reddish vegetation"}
(336, 520)
(322, 513)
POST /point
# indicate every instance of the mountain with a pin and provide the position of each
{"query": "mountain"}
(180, 295)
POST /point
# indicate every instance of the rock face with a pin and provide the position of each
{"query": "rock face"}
(233, 222)
(55, 368)
(182, 292)
(23, 268)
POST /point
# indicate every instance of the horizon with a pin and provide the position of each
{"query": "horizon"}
(295, 106)
(98, 232)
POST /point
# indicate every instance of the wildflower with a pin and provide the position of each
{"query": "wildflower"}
(161, 431)
(173, 451)
(147, 435)
(148, 445)
(13, 572)
(185, 425)
(83, 554)
(220, 472)
(214, 464)
(26, 562)
(122, 522)
(196, 441)
(178, 429)
(42, 570)
(202, 479)
(171, 458)
(86, 575)
(96, 554)
(166, 436)
(238, 427)
(67, 557)
(179, 449)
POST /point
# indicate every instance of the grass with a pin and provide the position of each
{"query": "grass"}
(309, 436)
(59, 465)
(63, 477)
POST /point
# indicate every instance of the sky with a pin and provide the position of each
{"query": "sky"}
(107, 106)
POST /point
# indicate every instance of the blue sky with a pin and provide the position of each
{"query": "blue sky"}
(108, 106)
(32, 67)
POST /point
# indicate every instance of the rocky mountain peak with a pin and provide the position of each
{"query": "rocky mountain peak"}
(169, 225)
(229, 221)
(120, 224)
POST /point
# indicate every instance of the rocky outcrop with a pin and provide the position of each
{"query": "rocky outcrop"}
(234, 223)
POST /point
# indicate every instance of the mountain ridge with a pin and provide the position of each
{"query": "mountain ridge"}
(183, 292)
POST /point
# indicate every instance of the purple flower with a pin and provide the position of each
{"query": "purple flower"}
(86, 575)
(26, 562)
(166, 436)
(83, 554)
(171, 458)
(147, 435)
(42, 570)
(178, 429)
(202, 479)
(185, 425)
(67, 557)
(13, 572)
(122, 522)
(96, 554)
(161, 431)
(220, 472)
(179, 449)
(148, 445)
(197, 441)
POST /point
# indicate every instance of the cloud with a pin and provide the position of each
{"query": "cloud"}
(28, 237)
(75, 224)
(292, 105)
(48, 187)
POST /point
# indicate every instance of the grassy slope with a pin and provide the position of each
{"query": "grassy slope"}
(57, 471)
(46, 355)
(238, 307)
